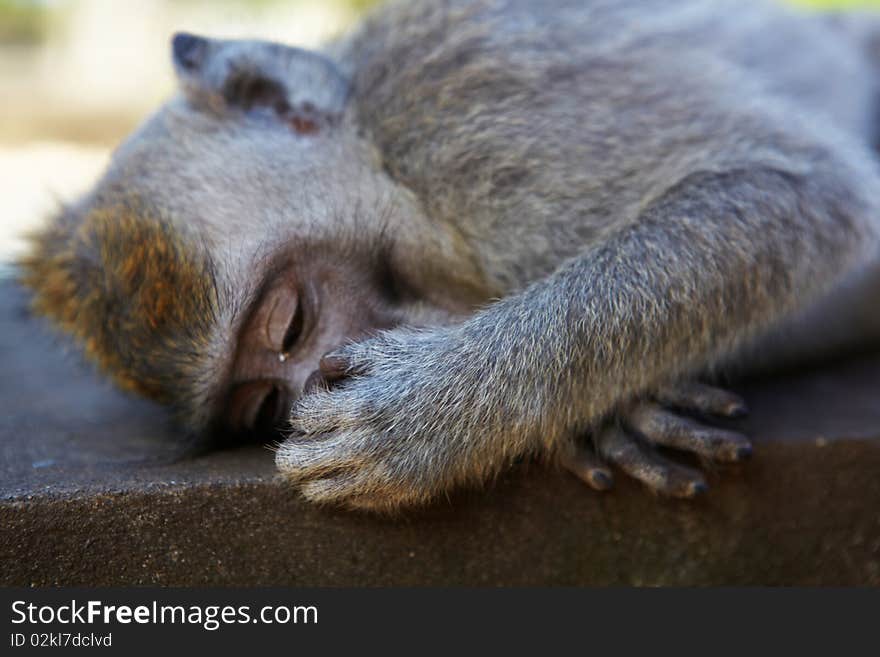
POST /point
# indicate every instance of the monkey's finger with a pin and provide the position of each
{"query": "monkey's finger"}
(365, 491)
(334, 366)
(332, 490)
(303, 459)
(315, 382)
(663, 427)
(332, 369)
(658, 474)
(587, 467)
(693, 396)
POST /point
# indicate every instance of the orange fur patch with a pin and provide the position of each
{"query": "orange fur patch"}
(124, 281)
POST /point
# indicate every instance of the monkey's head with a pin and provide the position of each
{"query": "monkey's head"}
(243, 231)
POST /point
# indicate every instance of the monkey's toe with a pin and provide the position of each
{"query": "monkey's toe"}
(587, 467)
(627, 442)
(663, 427)
(701, 398)
(657, 473)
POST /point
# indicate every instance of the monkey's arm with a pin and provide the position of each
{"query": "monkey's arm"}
(710, 264)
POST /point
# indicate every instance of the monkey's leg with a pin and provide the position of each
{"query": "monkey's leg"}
(717, 287)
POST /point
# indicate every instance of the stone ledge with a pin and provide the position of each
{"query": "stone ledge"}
(95, 489)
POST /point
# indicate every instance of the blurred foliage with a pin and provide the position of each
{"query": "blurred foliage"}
(839, 4)
(25, 21)
(357, 5)
(21, 22)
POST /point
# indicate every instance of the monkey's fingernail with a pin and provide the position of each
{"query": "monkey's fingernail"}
(743, 452)
(313, 382)
(696, 488)
(333, 367)
(737, 410)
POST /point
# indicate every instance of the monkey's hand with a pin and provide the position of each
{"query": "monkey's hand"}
(402, 418)
(628, 439)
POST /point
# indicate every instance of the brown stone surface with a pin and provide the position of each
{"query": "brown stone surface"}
(97, 489)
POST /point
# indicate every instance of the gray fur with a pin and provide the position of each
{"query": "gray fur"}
(651, 186)
(590, 199)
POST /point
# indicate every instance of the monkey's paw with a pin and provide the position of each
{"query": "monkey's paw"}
(377, 426)
(627, 441)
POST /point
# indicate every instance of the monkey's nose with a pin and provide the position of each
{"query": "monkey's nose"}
(259, 407)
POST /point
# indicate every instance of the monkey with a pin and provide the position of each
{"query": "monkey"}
(470, 232)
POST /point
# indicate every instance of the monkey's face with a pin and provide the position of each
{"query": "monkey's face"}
(287, 239)
(305, 308)
(240, 234)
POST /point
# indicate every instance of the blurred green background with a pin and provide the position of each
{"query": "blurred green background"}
(77, 75)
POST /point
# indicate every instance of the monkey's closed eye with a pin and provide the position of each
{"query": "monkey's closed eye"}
(285, 321)
(294, 330)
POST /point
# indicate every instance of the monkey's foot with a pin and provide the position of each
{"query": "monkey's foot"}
(622, 441)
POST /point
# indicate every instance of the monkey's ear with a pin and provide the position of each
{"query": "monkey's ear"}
(302, 88)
